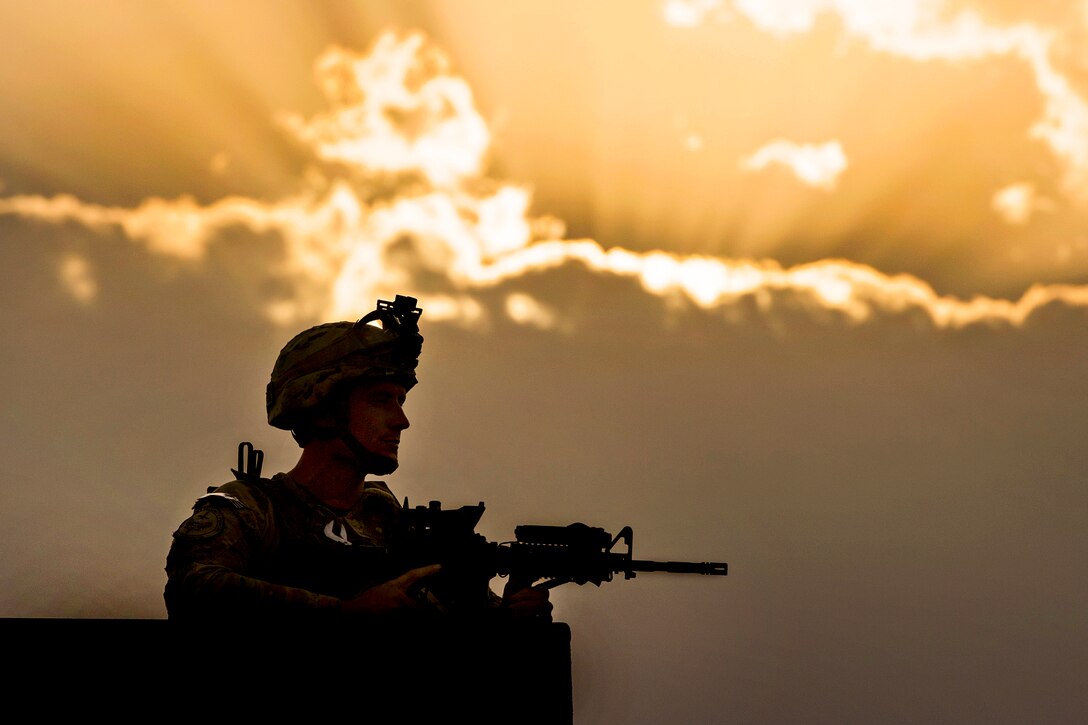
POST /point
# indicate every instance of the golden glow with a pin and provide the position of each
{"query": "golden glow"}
(401, 122)
(396, 109)
(916, 29)
(219, 163)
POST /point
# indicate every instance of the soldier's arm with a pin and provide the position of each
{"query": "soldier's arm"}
(211, 561)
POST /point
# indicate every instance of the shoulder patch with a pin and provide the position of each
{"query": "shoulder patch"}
(206, 522)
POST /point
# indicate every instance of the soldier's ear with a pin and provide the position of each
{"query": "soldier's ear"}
(318, 426)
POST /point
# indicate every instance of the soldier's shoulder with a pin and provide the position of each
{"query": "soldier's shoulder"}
(250, 493)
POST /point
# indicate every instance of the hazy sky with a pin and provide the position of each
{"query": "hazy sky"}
(799, 285)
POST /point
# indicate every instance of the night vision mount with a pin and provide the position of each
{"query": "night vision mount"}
(400, 316)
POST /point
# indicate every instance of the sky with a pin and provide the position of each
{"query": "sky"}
(799, 285)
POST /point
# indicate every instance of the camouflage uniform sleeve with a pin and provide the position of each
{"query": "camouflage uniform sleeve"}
(213, 557)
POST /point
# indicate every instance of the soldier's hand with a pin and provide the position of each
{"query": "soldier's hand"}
(521, 601)
(394, 595)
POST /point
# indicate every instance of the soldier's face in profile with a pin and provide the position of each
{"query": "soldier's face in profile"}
(376, 417)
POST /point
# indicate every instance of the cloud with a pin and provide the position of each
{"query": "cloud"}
(527, 310)
(77, 278)
(919, 30)
(817, 165)
(449, 233)
(690, 13)
(1016, 203)
(396, 109)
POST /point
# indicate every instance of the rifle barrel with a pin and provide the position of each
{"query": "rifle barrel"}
(714, 568)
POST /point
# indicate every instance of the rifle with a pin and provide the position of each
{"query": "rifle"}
(543, 556)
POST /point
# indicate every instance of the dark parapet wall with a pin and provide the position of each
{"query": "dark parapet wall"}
(158, 669)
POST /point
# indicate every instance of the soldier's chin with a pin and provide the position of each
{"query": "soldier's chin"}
(366, 461)
(381, 465)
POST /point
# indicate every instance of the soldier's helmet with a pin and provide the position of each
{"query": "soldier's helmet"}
(384, 344)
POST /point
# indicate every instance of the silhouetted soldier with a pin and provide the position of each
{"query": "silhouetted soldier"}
(308, 543)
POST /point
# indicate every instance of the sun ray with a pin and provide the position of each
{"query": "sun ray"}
(398, 112)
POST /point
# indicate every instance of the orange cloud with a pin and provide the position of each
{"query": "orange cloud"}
(1017, 203)
(395, 109)
(817, 165)
(76, 275)
(919, 30)
(345, 244)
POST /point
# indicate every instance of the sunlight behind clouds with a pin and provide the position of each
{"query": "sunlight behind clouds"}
(396, 109)
(921, 30)
(398, 200)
